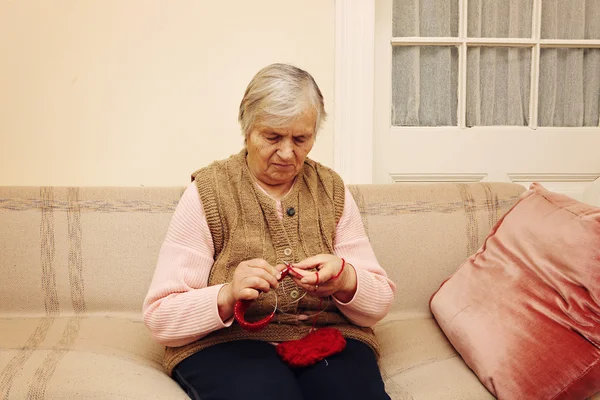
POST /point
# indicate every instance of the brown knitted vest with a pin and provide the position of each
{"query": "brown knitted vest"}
(244, 224)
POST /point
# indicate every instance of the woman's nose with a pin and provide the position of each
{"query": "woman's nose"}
(286, 150)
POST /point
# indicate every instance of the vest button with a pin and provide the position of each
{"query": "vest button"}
(287, 251)
(294, 294)
(291, 211)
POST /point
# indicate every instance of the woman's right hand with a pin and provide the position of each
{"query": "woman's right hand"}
(249, 279)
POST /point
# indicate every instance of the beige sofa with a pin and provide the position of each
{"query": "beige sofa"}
(75, 264)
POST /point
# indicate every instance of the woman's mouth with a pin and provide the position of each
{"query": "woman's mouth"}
(283, 166)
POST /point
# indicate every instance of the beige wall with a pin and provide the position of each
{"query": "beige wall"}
(143, 92)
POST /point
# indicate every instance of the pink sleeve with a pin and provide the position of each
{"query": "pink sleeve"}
(179, 307)
(374, 291)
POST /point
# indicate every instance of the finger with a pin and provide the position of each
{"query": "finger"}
(311, 287)
(248, 294)
(260, 263)
(307, 278)
(255, 282)
(321, 276)
(314, 278)
(308, 288)
(299, 273)
(280, 267)
(261, 273)
(317, 277)
(312, 262)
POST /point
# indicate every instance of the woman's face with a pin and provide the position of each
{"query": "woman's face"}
(276, 155)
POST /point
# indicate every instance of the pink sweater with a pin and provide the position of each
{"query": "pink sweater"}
(180, 308)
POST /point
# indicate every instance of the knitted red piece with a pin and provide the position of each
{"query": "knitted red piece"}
(312, 348)
(239, 311)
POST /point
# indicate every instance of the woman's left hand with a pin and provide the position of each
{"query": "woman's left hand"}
(325, 281)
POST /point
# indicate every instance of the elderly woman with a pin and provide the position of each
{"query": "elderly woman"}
(278, 233)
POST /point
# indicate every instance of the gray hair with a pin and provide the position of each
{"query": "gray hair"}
(278, 94)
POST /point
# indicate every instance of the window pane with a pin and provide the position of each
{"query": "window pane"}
(500, 18)
(424, 86)
(569, 87)
(498, 84)
(571, 19)
(425, 18)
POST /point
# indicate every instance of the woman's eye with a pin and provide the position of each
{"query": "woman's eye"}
(300, 140)
(272, 138)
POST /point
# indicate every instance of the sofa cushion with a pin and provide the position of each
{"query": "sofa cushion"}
(419, 363)
(81, 358)
(524, 310)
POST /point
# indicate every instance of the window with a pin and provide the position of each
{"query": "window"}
(472, 63)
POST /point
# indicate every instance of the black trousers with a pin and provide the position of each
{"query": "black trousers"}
(252, 370)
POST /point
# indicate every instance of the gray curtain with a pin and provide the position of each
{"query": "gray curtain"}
(424, 78)
(498, 78)
(570, 78)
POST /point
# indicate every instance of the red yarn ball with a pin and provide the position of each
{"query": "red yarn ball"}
(312, 348)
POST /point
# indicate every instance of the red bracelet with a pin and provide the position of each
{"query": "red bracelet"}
(341, 270)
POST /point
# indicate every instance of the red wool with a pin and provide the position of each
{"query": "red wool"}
(309, 350)
(239, 311)
(241, 306)
(312, 348)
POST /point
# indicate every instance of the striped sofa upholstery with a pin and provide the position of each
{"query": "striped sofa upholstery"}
(75, 264)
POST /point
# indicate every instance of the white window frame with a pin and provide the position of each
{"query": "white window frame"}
(354, 81)
(354, 74)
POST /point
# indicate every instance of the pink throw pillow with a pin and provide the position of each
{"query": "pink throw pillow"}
(524, 311)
